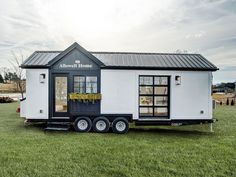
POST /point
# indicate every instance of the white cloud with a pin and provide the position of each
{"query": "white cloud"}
(205, 26)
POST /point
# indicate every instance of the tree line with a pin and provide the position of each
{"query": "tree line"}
(14, 74)
(9, 77)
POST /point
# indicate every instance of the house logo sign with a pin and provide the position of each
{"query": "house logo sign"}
(77, 64)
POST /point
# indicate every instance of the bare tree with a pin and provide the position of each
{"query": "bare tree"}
(16, 62)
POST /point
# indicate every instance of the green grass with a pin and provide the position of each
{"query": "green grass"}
(162, 151)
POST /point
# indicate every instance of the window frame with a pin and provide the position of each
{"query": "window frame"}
(80, 82)
(154, 95)
(85, 83)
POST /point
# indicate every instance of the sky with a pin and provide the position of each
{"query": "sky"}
(207, 27)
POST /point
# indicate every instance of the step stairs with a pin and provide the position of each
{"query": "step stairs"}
(58, 126)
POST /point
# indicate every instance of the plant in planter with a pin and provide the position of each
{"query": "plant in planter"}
(85, 97)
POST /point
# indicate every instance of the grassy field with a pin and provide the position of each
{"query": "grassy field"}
(10, 87)
(163, 151)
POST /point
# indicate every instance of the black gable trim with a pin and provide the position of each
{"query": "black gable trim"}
(34, 67)
(81, 49)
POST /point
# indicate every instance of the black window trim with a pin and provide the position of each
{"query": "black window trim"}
(85, 80)
(74, 82)
(153, 97)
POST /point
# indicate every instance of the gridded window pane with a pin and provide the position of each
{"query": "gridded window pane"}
(146, 90)
(161, 90)
(146, 111)
(91, 79)
(79, 87)
(146, 80)
(79, 84)
(91, 84)
(161, 100)
(79, 79)
(146, 101)
(153, 96)
(160, 112)
(161, 80)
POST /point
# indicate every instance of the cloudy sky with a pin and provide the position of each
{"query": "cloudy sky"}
(198, 26)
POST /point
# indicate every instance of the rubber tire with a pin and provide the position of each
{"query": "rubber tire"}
(114, 125)
(105, 120)
(83, 118)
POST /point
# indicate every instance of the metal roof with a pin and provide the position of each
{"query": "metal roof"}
(123, 60)
(154, 60)
(40, 58)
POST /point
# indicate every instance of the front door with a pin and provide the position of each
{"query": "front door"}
(60, 96)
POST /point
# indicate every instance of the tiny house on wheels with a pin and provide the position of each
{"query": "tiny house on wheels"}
(103, 90)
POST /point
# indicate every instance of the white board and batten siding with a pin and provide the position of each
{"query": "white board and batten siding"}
(36, 102)
(120, 93)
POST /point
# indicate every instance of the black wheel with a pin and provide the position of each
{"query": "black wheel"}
(120, 125)
(82, 124)
(101, 124)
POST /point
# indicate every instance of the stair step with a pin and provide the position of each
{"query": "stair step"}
(58, 123)
(57, 128)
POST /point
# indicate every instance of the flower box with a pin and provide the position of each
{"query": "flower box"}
(85, 97)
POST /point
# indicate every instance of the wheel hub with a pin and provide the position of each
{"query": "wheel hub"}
(101, 125)
(82, 124)
(120, 126)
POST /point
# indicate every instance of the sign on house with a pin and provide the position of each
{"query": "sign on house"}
(77, 64)
(75, 60)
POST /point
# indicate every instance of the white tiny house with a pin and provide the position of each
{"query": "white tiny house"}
(100, 90)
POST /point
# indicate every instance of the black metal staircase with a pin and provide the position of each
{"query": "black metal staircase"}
(58, 126)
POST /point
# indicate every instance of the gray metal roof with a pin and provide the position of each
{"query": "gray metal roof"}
(156, 60)
(40, 58)
(118, 60)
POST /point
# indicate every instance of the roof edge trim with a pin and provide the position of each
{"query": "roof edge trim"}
(159, 68)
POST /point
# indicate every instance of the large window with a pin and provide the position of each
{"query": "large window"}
(85, 84)
(154, 96)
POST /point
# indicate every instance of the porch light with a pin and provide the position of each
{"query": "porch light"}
(42, 78)
(178, 80)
